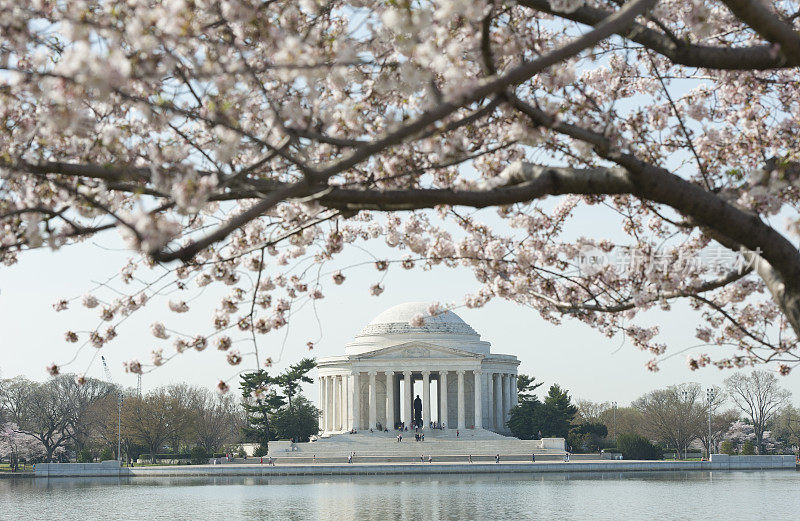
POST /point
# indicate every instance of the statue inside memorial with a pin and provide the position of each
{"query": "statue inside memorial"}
(417, 412)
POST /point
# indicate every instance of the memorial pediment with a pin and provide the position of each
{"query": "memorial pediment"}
(417, 350)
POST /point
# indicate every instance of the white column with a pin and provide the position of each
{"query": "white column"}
(389, 400)
(498, 403)
(426, 399)
(407, 397)
(514, 397)
(443, 398)
(356, 401)
(329, 401)
(478, 399)
(337, 403)
(347, 411)
(373, 401)
(461, 420)
(506, 397)
(489, 401)
(322, 407)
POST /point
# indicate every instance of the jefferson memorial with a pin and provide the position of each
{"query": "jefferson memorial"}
(439, 374)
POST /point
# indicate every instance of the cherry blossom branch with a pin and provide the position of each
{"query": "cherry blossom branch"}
(519, 74)
(763, 20)
(758, 57)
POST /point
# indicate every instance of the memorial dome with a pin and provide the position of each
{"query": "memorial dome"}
(393, 327)
(397, 320)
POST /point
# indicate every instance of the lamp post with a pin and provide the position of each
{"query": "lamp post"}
(119, 429)
(711, 393)
(685, 394)
(614, 407)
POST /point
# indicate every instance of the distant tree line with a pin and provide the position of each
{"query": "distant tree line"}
(750, 414)
(70, 419)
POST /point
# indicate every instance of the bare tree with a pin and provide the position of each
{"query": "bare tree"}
(590, 412)
(623, 420)
(214, 421)
(674, 415)
(759, 397)
(786, 427)
(720, 424)
(153, 419)
(44, 411)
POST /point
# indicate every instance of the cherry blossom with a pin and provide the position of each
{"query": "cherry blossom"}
(253, 150)
(90, 301)
(178, 306)
(133, 366)
(233, 357)
(157, 357)
(224, 343)
(159, 330)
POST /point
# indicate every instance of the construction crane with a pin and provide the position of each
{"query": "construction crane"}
(119, 409)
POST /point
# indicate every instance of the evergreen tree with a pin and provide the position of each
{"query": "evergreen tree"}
(272, 415)
(528, 419)
(526, 386)
(290, 380)
(531, 418)
(635, 447)
(259, 402)
(298, 421)
(560, 412)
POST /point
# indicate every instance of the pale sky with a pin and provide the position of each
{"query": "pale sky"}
(571, 354)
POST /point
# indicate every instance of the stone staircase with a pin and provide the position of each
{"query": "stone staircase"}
(443, 445)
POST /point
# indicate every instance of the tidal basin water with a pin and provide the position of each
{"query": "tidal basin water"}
(729, 496)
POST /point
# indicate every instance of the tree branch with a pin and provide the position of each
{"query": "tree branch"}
(758, 57)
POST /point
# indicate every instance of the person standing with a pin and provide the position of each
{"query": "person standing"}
(533, 457)
(497, 458)
(470, 458)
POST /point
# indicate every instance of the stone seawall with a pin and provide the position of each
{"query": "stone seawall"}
(112, 469)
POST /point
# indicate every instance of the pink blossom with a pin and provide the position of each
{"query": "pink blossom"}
(234, 358)
(199, 343)
(181, 345)
(158, 330)
(90, 301)
(96, 339)
(223, 343)
(133, 366)
(178, 306)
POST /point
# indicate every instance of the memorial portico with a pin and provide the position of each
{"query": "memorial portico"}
(374, 385)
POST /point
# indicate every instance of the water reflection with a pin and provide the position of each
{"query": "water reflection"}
(601, 496)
